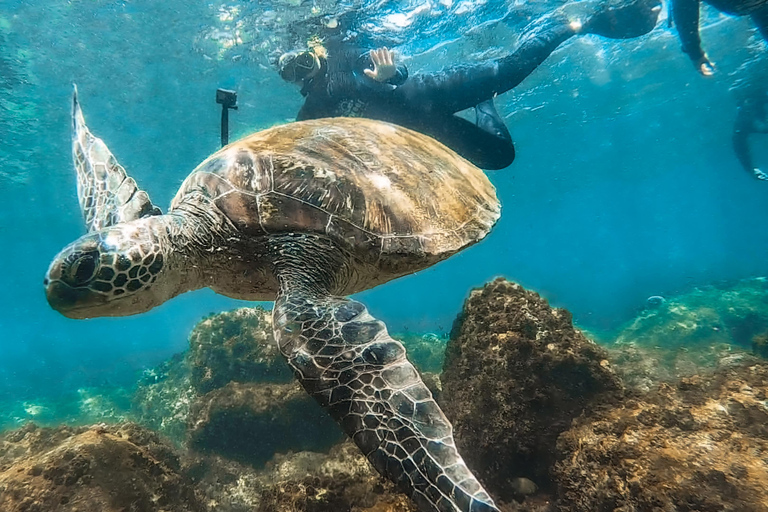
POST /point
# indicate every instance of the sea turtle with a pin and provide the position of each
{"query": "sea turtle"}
(302, 214)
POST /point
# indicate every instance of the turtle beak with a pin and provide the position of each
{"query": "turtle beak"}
(66, 300)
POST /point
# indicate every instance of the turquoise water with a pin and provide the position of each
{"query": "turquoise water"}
(625, 185)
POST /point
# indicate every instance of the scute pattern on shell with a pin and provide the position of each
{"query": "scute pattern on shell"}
(366, 183)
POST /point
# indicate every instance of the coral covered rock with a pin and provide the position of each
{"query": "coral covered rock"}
(516, 374)
(251, 422)
(731, 313)
(233, 394)
(643, 367)
(706, 329)
(341, 480)
(103, 469)
(698, 446)
(163, 398)
(235, 346)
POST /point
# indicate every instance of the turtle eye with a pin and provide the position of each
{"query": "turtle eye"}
(82, 269)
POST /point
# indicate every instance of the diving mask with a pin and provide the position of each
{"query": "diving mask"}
(296, 66)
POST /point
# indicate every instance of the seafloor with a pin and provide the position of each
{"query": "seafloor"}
(669, 415)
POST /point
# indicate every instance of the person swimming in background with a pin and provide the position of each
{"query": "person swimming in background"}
(685, 14)
(751, 92)
(338, 79)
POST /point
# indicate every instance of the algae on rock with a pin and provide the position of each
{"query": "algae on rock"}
(109, 469)
(232, 394)
(706, 329)
(698, 445)
(516, 374)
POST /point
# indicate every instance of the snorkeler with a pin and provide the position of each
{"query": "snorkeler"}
(686, 16)
(340, 80)
(752, 112)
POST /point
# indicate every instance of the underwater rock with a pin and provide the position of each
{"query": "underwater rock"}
(704, 330)
(250, 422)
(115, 468)
(163, 399)
(248, 411)
(516, 374)
(235, 346)
(642, 368)
(341, 480)
(699, 446)
(760, 345)
(730, 313)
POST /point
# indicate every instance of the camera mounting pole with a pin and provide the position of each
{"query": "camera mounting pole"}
(228, 100)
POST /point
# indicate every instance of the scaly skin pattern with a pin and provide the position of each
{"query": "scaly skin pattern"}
(347, 361)
(106, 193)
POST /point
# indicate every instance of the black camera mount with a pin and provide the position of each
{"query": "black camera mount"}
(228, 100)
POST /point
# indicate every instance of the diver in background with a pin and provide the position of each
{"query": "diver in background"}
(751, 91)
(685, 14)
(341, 80)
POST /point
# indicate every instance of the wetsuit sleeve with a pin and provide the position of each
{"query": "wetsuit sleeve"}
(741, 130)
(686, 16)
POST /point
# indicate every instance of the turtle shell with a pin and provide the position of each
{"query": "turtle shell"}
(379, 190)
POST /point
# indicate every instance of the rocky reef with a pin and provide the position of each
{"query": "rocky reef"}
(251, 422)
(127, 467)
(706, 329)
(516, 374)
(533, 400)
(548, 420)
(699, 445)
(731, 313)
(232, 394)
(104, 468)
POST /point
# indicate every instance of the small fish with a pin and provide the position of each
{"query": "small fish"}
(655, 301)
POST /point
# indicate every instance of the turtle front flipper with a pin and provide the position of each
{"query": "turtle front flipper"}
(346, 360)
(107, 195)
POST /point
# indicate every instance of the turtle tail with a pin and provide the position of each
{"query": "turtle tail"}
(347, 361)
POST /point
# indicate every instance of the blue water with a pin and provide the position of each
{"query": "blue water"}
(625, 185)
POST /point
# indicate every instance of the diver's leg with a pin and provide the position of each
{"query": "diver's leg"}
(760, 18)
(348, 362)
(614, 19)
(460, 87)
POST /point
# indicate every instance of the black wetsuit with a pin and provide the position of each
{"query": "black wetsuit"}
(751, 117)
(427, 102)
(686, 16)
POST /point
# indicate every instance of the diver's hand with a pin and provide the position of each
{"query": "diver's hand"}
(760, 174)
(384, 66)
(705, 66)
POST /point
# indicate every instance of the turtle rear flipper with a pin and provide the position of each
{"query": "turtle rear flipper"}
(346, 360)
(107, 195)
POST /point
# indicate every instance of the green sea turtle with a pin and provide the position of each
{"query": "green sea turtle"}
(302, 214)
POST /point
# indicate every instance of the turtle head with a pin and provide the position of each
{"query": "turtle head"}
(111, 272)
